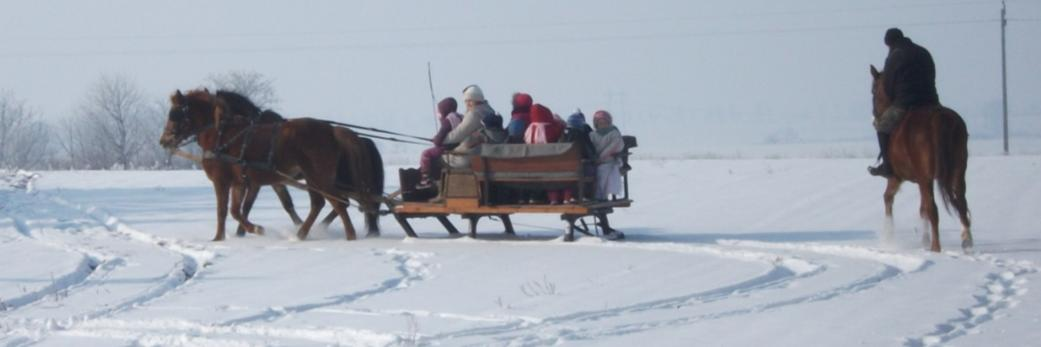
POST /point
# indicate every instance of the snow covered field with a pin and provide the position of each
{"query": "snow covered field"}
(719, 252)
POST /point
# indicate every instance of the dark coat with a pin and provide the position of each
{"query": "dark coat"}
(910, 75)
(580, 137)
(493, 136)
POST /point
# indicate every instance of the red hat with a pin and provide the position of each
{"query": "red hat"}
(541, 114)
(521, 100)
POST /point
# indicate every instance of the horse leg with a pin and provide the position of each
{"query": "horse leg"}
(237, 194)
(930, 215)
(287, 202)
(247, 205)
(892, 186)
(966, 233)
(329, 218)
(372, 218)
(222, 189)
(962, 206)
(340, 207)
(317, 202)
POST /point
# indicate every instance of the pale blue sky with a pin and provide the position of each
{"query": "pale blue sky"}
(692, 72)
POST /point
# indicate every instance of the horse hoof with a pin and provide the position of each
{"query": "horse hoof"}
(218, 239)
(372, 234)
(967, 246)
(259, 230)
(241, 232)
(351, 237)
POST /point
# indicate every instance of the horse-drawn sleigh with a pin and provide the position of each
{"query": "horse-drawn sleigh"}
(245, 148)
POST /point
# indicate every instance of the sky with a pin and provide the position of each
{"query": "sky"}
(678, 74)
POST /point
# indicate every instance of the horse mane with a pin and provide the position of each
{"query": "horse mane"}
(241, 105)
(238, 103)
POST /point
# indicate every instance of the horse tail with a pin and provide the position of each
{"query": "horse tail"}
(374, 183)
(376, 165)
(951, 144)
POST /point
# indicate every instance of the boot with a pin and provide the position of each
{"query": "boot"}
(883, 169)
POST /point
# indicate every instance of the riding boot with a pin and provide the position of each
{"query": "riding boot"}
(884, 169)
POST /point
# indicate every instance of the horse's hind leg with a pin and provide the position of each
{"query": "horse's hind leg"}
(317, 202)
(962, 206)
(929, 213)
(892, 186)
(329, 218)
(372, 218)
(340, 207)
(287, 202)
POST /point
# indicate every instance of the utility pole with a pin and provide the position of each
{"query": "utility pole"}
(1004, 78)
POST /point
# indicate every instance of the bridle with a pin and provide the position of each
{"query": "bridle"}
(180, 117)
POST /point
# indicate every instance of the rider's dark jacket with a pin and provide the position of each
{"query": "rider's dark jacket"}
(910, 75)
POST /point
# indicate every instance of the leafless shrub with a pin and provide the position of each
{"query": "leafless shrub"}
(539, 288)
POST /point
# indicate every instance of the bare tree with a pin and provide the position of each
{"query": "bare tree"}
(252, 84)
(24, 139)
(110, 128)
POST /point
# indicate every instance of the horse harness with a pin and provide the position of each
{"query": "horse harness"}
(220, 151)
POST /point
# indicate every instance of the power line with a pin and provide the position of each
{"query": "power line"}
(485, 27)
(444, 44)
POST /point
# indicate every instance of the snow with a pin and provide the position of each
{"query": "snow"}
(781, 252)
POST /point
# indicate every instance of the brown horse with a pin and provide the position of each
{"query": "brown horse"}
(276, 152)
(242, 106)
(364, 172)
(930, 143)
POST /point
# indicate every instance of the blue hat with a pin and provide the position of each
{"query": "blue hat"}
(576, 120)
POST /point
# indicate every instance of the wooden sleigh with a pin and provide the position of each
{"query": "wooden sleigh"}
(473, 191)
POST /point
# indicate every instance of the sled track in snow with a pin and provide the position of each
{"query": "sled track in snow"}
(408, 265)
(1000, 292)
(193, 258)
(786, 269)
(95, 266)
(62, 283)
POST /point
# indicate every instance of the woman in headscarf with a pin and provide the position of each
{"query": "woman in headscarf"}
(608, 142)
(429, 161)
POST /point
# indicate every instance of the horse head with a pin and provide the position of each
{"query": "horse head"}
(189, 115)
(879, 98)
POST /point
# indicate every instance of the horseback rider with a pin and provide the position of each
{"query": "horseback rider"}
(909, 78)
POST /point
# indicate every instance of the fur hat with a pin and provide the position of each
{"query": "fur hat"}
(576, 120)
(473, 93)
(893, 35)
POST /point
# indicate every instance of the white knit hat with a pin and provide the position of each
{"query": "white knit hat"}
(473, 93)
